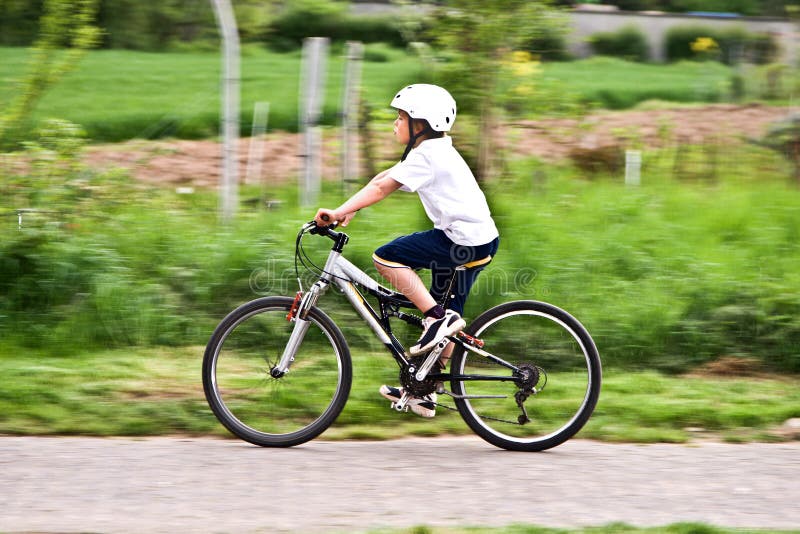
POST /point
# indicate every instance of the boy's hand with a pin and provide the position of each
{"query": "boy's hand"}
(332, 216)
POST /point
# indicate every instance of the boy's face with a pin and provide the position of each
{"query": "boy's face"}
(401, 127)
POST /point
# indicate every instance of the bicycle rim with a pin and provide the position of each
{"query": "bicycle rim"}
(271, 411)
(558, 351)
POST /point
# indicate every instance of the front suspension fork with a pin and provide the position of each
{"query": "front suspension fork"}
(298, 314)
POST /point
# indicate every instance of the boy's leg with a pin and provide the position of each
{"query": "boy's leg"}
(407, 281)
(462, 285)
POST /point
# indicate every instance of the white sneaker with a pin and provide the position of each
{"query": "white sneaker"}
(424, 407)
(436, 330)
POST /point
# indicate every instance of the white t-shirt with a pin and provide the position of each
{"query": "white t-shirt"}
(448, 191)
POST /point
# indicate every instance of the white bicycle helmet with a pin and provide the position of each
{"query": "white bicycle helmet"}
(429, 102)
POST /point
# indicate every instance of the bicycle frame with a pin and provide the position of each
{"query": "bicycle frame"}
(340, 272)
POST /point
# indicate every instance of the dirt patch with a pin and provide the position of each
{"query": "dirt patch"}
(731, 366)
(553, 139)
(197, 163)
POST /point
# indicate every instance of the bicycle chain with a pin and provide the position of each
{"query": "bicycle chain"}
(446, 407)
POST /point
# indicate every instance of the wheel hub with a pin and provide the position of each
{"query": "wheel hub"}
(527, 378)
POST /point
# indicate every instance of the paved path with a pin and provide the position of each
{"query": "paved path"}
(210, 485)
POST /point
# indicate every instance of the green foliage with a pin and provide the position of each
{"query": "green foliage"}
(741, 7)
(735, 44)
(667, 276)
(784, 137)
(548, 37)
(155, 25)
(63, 24)
(328, 18)
(190, 25)
(627, 43)
(19, 22)
(477, 35)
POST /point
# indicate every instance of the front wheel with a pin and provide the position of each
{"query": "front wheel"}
(554, 389)
(262, 409)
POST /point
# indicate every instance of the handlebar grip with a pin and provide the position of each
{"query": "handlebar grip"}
(325, 217)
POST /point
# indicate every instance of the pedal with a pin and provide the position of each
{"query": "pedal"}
(402, 404)
(398, 407)
(471, 340)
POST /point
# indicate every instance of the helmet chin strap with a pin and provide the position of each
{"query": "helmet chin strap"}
(412, 137)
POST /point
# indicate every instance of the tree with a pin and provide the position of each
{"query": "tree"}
(480, 34)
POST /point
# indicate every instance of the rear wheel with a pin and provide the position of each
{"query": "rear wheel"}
(554, 390)
(262, 409)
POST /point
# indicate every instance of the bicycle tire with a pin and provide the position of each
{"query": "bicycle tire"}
(268, 411)
(542, 337)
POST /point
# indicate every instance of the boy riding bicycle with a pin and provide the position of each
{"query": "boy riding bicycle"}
(463, 230)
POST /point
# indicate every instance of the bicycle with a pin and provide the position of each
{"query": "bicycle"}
(525, 375)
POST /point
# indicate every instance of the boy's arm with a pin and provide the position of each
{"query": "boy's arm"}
(376, 190)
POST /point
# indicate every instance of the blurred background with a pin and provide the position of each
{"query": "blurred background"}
(642, 160)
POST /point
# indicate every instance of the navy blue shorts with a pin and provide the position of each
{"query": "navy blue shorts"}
(433, 250)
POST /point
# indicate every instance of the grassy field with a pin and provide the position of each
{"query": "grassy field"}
(118, 94)
(618, 84)
(137, 391)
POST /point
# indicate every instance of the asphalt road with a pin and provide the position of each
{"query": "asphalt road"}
(212, 485)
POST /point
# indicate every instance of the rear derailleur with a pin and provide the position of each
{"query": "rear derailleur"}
(526, 379)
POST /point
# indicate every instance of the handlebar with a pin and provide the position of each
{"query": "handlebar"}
(340, 238)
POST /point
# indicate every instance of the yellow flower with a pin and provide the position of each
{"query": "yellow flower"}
(521, 56)
(704, 44)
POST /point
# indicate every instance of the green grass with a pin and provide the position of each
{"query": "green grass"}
(617, 84)
(137, 391)
(118, 94)
(613, 528)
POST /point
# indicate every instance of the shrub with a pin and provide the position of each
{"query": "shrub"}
(735, 44)
(326, 18)
(598, 158)
(679, 39)
(549, 44)
(628, 43)
(784, 137)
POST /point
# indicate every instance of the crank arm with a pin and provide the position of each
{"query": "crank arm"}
(402, 404)
(432, 358)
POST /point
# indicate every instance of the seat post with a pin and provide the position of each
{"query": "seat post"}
(448, 295)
